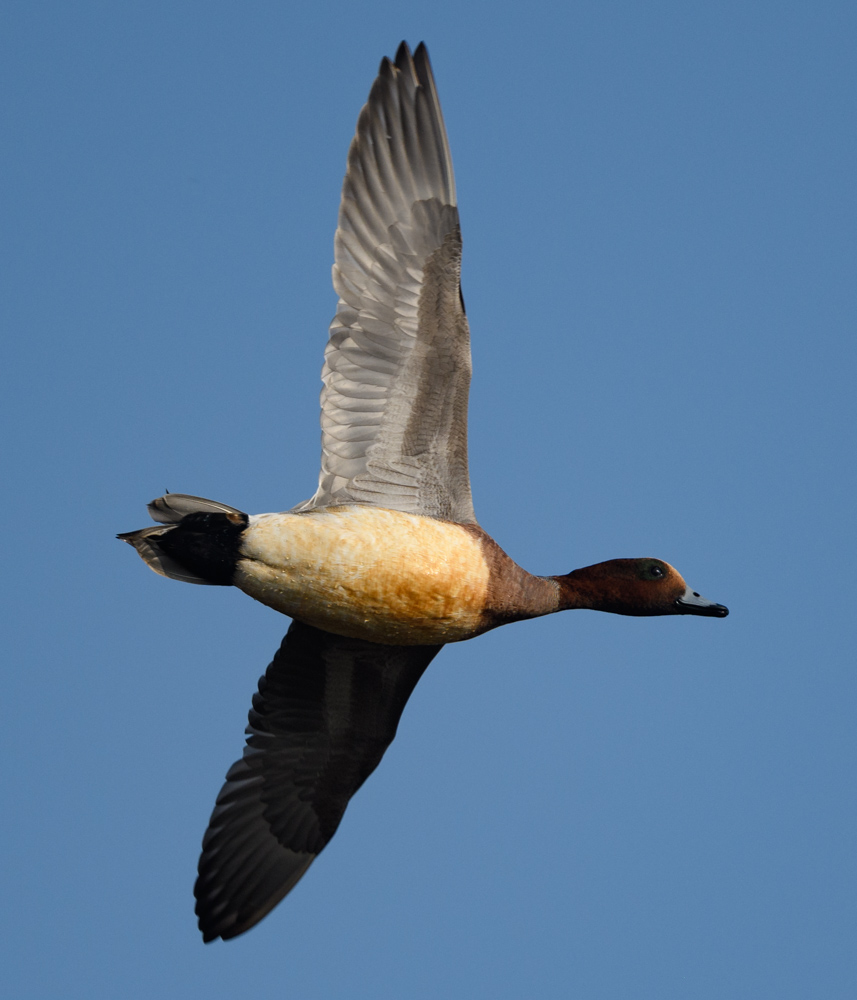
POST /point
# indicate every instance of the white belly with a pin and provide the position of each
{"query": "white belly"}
(368, 573)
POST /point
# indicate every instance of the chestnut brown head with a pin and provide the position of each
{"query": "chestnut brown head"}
(635, 587)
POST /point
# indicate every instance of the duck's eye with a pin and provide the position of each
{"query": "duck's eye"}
(656, 572)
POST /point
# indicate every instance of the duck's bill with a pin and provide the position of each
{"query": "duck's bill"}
(691, 603)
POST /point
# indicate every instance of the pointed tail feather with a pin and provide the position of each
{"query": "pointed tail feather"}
(159, 551)
(172, 507)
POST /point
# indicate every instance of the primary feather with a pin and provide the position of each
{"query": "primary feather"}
(397, 366)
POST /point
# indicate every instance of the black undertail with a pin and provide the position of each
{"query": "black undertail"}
(207, 545)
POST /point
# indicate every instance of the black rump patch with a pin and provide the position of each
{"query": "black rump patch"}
(207, 545)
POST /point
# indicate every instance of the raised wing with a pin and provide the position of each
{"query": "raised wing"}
(397, 366)
(326, 711)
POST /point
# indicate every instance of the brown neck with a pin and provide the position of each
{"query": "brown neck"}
(612, 586)
(576, 591)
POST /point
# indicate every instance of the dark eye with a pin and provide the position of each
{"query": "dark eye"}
(656, 572)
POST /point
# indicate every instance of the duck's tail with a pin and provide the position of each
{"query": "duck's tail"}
(195, 541)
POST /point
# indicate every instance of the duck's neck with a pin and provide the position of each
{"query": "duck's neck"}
(607, 586)
(578, 590)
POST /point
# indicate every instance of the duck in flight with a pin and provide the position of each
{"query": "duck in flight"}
(386, 562)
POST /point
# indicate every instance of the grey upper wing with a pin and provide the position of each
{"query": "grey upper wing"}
(326, 710)
(397, 366)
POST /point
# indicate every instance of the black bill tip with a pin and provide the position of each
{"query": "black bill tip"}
(691, 603)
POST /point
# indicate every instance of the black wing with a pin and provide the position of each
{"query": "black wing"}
(326, 711)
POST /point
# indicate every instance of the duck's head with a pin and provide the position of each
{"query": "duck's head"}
(635, 587)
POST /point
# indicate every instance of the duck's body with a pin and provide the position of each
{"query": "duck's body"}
(386, 562)
(385, 576)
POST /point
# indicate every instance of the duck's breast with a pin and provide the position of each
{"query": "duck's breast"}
(369, 573)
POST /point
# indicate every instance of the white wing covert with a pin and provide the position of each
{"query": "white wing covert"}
(397, 365)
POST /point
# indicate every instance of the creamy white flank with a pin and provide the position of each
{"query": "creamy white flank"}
(367, 573)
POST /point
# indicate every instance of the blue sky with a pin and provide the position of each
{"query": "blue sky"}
(658, 209)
